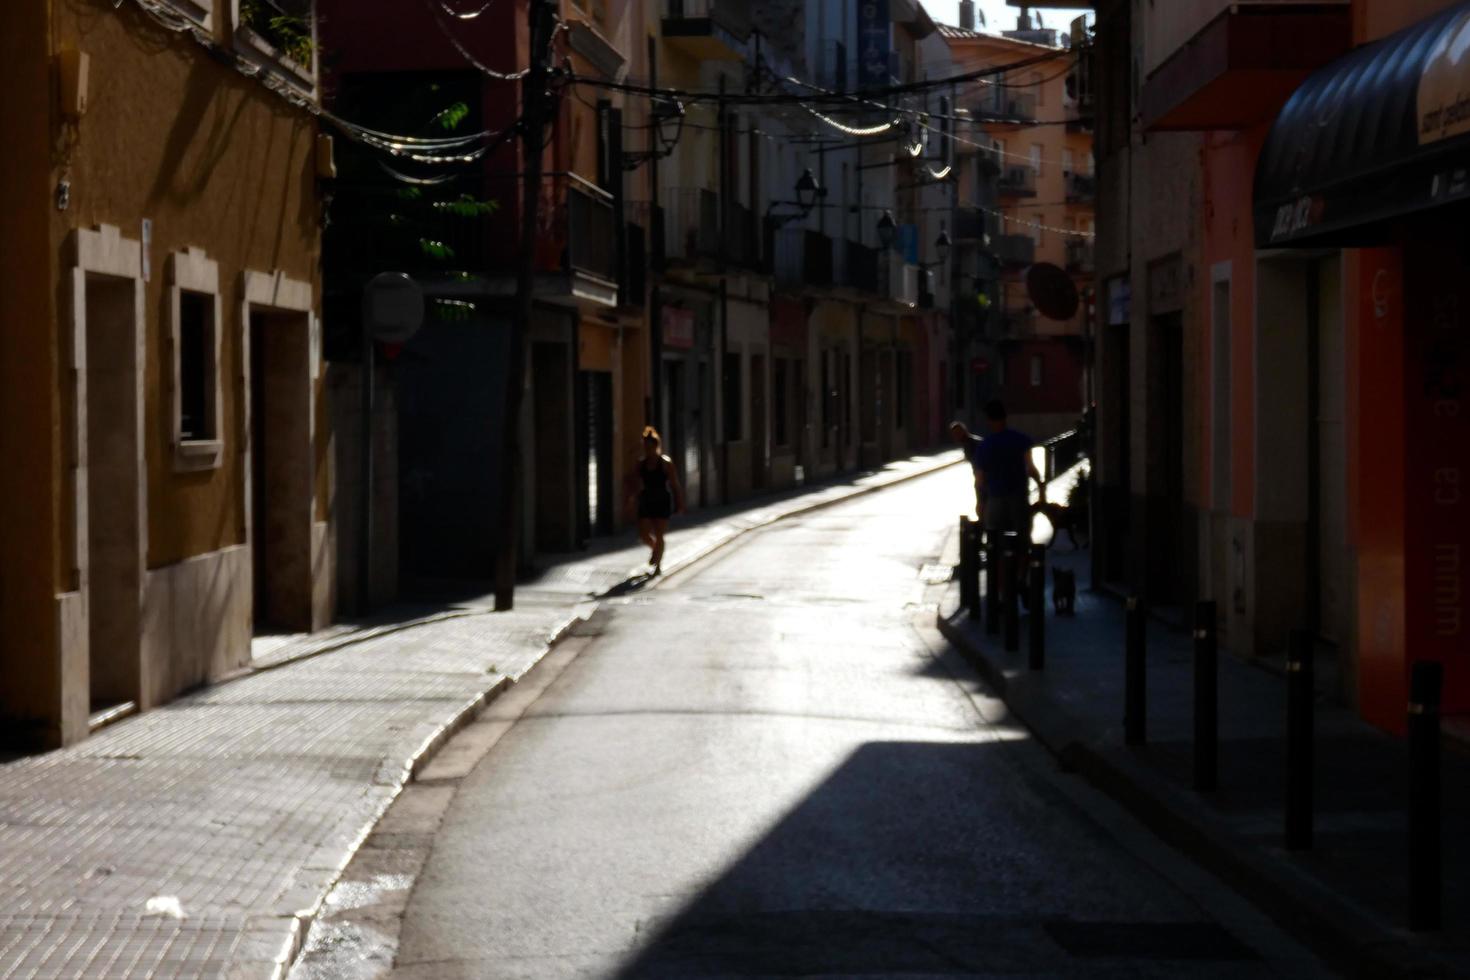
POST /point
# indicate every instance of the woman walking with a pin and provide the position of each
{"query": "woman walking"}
(659, 496)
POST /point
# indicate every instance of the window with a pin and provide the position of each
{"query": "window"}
(732, 405)
(1036, 360)
(196, 342)
(194, 347)
(1036, 157)
(279, 36)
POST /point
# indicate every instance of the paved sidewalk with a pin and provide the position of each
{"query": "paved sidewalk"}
(199, 839)
(1349, 894)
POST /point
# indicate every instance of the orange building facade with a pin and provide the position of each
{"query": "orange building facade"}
(1319, 318)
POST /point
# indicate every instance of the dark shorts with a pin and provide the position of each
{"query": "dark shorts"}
(655, 506)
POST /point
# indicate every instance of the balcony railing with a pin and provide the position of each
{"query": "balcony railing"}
(1014, 250)
(860, 266)
(686, 18)
(649, 217)
(898, 280)
(739, 237)
(803, 257)
(1017, 180)
(691, 224)
(1080, 187)
(975, 225)
(576, 232)
(1079, 256)
(1009, 106)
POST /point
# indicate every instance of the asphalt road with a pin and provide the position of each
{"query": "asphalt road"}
(771, 766)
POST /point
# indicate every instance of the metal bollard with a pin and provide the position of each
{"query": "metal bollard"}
(1135, 690)
(1011, 587)
(1036, 583)
(966, 569)
(992, 583)
(1300, 691)
(1206, 698)
(1425, 886)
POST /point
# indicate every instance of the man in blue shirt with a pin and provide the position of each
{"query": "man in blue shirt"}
(1002, 462)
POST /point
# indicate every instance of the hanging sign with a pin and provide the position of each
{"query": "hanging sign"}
(678, 327)
(874, 43)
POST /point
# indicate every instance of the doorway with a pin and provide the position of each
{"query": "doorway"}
(281, 471)
(594, 450)
(112, 578)
(759, 450)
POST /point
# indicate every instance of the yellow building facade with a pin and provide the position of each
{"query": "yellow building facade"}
(169, 489)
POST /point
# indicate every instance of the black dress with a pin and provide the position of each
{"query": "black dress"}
(656, 500)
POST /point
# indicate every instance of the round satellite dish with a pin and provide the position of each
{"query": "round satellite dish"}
(393, 307)
(1052, 291)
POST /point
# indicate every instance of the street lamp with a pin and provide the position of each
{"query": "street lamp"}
(806, 190)
(942, 244)
(886, 228)
(667, 115)
(808, 193)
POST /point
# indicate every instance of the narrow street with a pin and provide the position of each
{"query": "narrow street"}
(771, 765)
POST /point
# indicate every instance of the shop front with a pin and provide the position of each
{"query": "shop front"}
(1364, 186)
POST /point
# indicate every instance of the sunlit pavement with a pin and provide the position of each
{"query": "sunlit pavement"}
(770, 766)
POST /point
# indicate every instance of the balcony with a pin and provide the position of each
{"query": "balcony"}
(691, 225)
(1080, 257)
(834, 67)
(802, 258)
(898, 281)
(741, 247)
(1081, 188)
(576, 253)
(1014, 251)
(710, 30)
(649, 218)
(1008, 107)
(1016, 180)
(975, 225)
(1234, 69)
(860, 266)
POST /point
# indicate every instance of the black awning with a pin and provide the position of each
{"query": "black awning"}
(1379, 133)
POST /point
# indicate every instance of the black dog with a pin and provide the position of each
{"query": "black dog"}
(1064, 518)
(1064, 591)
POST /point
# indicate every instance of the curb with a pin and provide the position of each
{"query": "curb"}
(803, 511)
(408, 773)
(1347, 938)
(388, 629)
(470, 710)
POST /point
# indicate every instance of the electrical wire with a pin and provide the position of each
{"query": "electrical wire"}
(437, 10)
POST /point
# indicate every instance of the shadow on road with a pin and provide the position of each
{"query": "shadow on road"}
(933, 859)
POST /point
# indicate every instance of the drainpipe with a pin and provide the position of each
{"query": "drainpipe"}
(724, 178)
(655, 298)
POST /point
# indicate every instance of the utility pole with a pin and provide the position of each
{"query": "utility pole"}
(534, 102)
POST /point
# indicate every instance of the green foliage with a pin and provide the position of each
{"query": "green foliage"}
(467, 207)
(452, 116)
(288, 33)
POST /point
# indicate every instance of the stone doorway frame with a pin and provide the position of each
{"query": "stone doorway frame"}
(309, 594)
(101, 253)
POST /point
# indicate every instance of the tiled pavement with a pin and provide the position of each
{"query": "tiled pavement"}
(238, 806)
(1348, 893)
